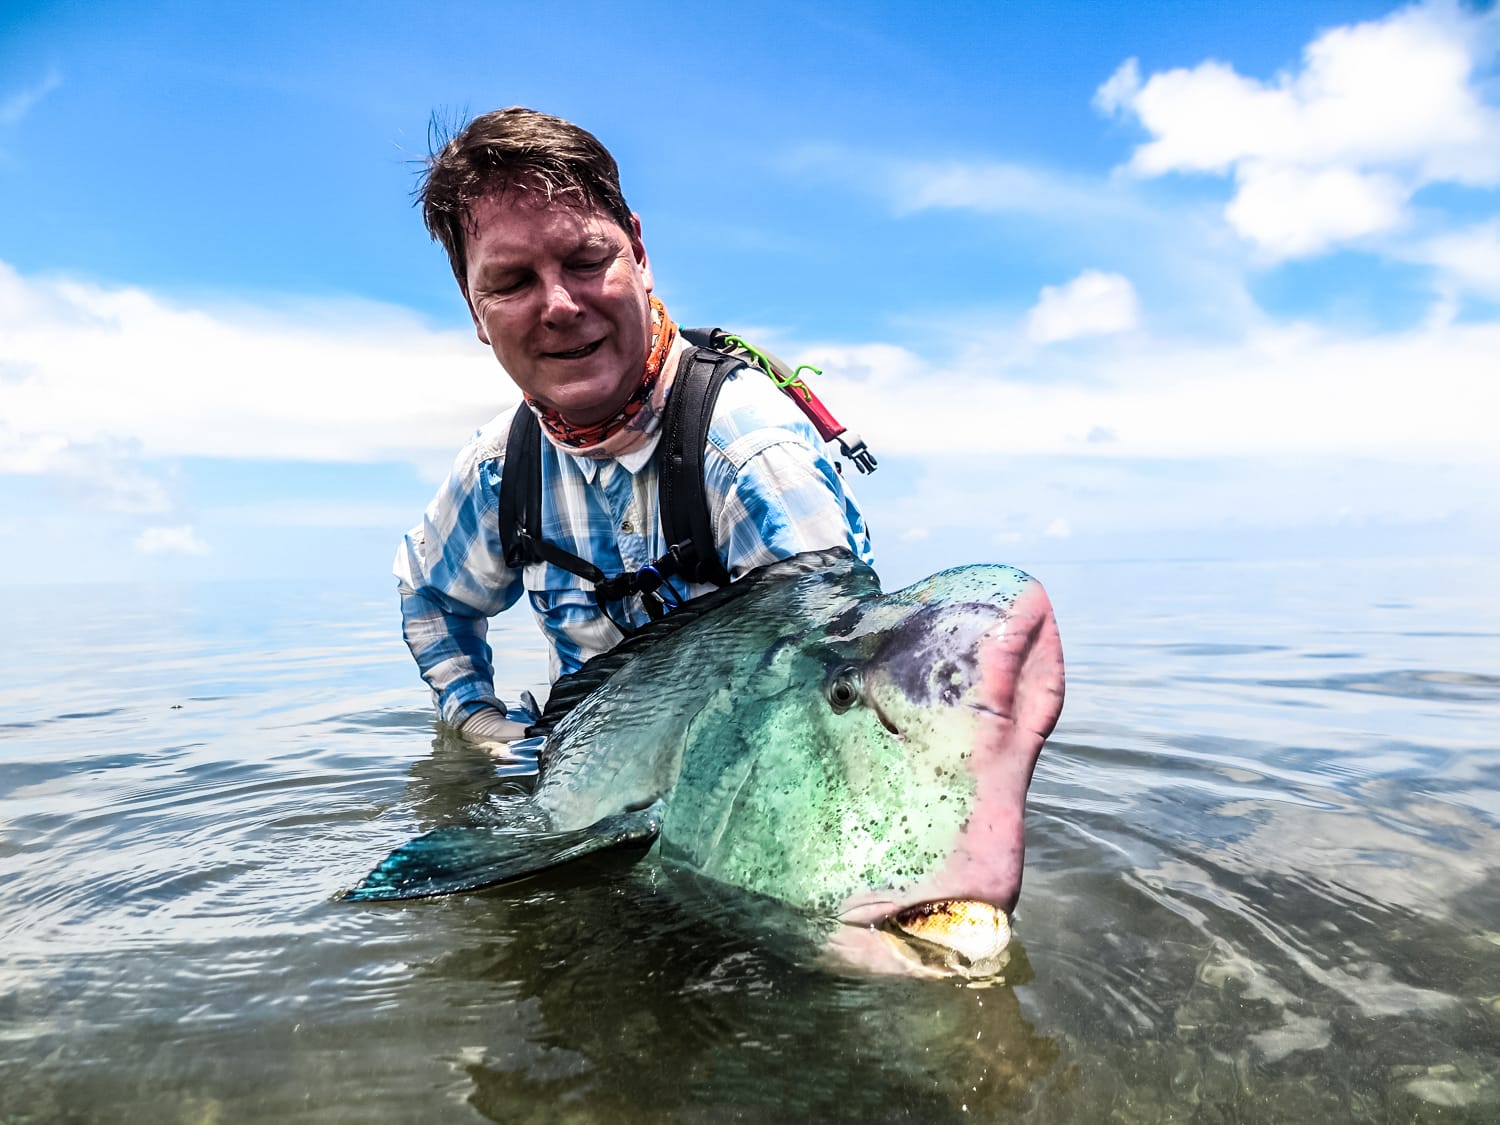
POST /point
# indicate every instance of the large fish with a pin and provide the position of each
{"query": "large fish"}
(863, 757)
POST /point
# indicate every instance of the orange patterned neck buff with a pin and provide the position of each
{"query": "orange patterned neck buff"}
(635, 422)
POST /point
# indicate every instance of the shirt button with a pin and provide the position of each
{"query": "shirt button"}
(627, 528)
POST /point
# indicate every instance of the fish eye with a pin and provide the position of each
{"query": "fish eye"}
(843, 689)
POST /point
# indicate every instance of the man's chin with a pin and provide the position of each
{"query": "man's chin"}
(589, 401)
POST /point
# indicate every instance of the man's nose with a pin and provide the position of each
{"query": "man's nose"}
(560, 305)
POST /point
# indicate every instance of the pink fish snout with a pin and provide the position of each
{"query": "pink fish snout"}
(1018, 692)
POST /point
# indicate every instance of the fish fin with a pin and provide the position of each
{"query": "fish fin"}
(467, 857)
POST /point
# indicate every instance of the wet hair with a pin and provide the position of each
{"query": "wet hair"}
(515, 149)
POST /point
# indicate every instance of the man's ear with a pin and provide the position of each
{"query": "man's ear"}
(638, 252)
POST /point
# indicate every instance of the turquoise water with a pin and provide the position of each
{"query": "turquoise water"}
(1263, 882)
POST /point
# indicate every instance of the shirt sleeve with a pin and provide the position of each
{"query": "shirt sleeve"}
(782, 495)
(452, 578)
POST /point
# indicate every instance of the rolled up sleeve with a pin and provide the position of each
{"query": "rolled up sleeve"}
(452, 578)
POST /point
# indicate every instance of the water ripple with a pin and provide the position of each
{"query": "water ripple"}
(1255, 890)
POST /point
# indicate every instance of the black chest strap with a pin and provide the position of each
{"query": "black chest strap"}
(687, 526)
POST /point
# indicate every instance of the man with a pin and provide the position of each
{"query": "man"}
(552, 266)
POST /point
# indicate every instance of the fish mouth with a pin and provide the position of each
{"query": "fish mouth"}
(961, 937)
(885, 720)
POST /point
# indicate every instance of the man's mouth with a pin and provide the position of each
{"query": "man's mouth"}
(576, 353)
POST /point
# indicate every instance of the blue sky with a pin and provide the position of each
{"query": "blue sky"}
(1096, 281)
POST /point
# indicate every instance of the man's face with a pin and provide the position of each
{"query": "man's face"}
(560, 293)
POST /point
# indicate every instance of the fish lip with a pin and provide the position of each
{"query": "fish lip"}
(974, 954)
(870, 913)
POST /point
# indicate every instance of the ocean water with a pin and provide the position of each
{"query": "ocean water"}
(1263, 882)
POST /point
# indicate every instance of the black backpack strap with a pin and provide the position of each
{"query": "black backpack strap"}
(521, 504)
(685, 521)
(521, 489)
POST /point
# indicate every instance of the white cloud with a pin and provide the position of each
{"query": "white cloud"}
(321, 514)
(1422, 394)
(1470, 258)
(983, 186)
(1376, 111)
(1293, 212)
(104, 473)
(180, 540)
(1092, 304)
(86, 371)
(84, 366)
(996, 186)
(1119, 91)
(14, 107)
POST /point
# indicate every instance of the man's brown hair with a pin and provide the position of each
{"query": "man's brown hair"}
(515, 149)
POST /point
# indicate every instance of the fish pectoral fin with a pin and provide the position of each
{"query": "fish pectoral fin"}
(465, 858)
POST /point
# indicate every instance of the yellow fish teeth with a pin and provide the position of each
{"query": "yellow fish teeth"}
(975, 930)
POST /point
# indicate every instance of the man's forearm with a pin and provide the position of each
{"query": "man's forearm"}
(451, 651)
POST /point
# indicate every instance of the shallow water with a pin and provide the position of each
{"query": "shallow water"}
(1263, 882)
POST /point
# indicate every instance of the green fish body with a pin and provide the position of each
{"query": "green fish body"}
(862, 757)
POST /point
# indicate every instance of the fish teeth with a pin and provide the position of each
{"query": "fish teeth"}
(978, 932)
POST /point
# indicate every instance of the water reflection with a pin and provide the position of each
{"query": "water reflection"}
(458, 783)
(1293, 951)
(618, 996)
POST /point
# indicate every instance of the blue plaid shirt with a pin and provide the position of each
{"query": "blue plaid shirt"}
(772, 493)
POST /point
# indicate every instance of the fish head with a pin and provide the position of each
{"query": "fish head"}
(871, 769)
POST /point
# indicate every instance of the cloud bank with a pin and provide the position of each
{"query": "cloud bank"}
(1428, 394)
(1333, 151)
(87, 369)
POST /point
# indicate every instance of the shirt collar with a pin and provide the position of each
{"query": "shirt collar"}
(632, 462)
